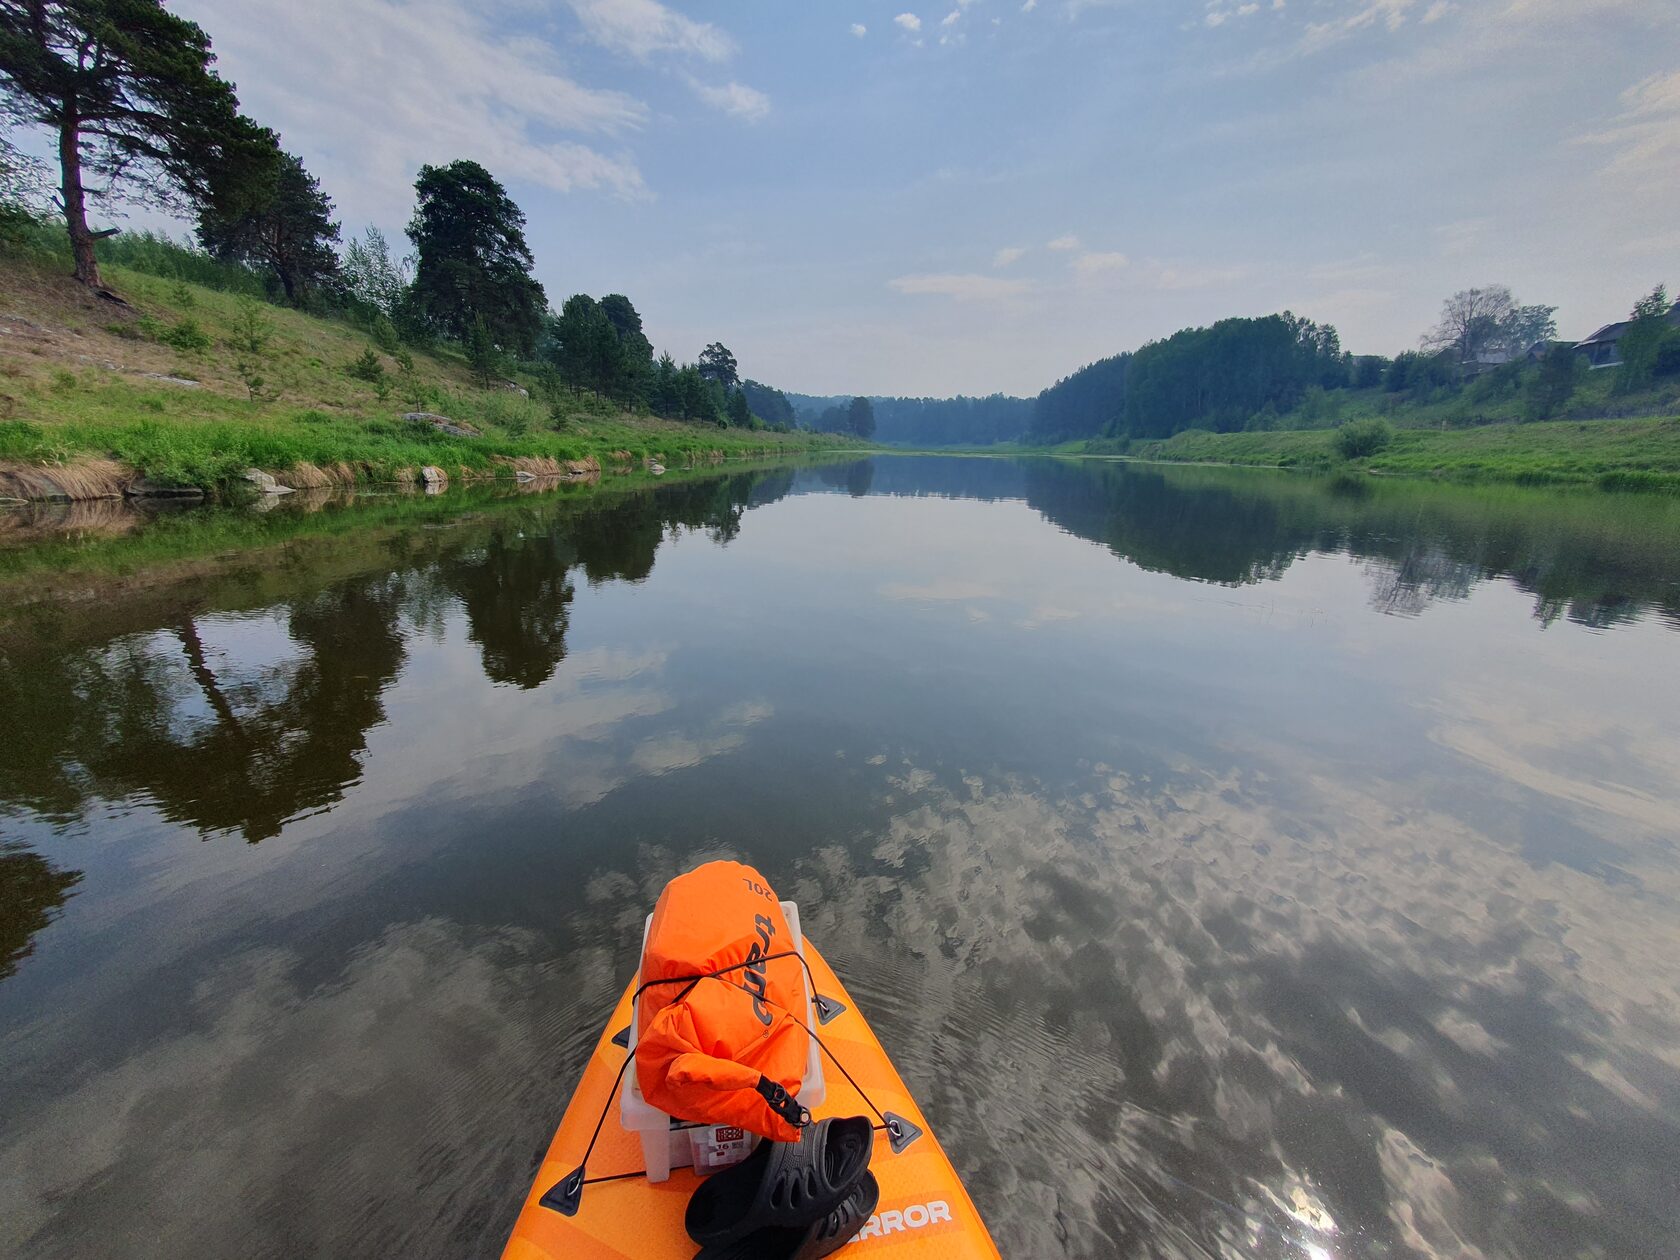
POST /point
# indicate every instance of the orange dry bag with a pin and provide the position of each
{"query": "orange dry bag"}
(728, 1048)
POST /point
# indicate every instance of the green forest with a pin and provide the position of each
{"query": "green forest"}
(1488, 360)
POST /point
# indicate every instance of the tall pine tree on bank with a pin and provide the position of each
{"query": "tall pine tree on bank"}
(472, 261)
(285, 226)
(128, 92)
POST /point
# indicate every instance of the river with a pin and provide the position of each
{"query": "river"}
(1235, 864)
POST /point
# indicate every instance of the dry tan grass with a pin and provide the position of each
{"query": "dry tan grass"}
(102, 518)
(48, 324)
(85, 479)
(301, 476)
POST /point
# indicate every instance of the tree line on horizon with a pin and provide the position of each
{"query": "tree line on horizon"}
(128, 92)
(1249, 373)
(1260, 373)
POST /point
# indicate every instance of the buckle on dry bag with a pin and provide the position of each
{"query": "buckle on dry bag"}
(783, 1103)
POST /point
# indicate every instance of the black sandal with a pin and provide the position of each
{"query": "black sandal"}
(791, 1186)
(824, 1238)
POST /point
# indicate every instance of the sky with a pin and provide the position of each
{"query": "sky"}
(970, 196)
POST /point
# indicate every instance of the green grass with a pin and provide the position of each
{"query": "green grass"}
(76, 388)
(1498, 397)
(1613, 454)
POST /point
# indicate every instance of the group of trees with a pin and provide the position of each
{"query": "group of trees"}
(856, 418)
(1482, 326)
(1246, 373)
(600, 346)
(1219, 377)
(1083, 405)
(129, 94)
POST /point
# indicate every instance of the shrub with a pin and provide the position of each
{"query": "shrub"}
(484, 356)
(157, 255)
(1362, 438)
(368, 368)
(187, 337)
(1667, 362)
(1551, 388)
(384, 333)
(252, 330)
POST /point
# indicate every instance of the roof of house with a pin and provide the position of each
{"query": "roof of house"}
(1613, 332)
(1610, 332)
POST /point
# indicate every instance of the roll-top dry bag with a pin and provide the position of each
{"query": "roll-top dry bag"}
(722, 1036)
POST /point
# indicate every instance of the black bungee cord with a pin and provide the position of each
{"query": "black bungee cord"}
(566, 1194)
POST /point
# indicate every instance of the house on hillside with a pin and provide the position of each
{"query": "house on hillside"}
(1603, 348)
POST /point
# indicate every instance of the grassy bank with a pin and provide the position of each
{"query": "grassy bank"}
(189, 385)
(1636, 454)
(74, 551)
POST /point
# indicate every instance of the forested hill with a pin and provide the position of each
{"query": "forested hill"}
(931, 421)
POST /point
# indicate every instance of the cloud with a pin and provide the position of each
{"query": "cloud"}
(1063, 243)
(1029, 6)
(1178, 278)
(1389, 14)
(374, 105)
(1217, 958)
(1463, 236)
(859, 29)
(735, 99)
(950, 19)
(942, 590)
(1008, 257)
(963, 288)
(1644, 139)
(641, 28)
(277, 1062)
(908, 21)
(1095, 264)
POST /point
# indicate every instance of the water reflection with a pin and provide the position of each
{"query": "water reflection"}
(31, 891)
(245, 746)
(1229, 861)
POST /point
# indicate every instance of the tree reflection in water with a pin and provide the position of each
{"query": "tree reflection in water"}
(149, 711)
(32, 890)
(121, 701)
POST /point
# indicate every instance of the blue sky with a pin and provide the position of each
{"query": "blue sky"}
(979, 195)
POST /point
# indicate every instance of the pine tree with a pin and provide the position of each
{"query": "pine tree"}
(128, 92)
(472, 259)
(286, 226)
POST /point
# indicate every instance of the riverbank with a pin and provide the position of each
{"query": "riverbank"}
(1636, 454)
(189, 387)
(79, 556)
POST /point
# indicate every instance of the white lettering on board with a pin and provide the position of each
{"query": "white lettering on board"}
(898, 1220)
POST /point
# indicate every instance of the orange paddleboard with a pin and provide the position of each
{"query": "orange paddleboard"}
(924, 1211)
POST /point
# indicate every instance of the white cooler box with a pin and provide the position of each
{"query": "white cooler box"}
(669, 1143)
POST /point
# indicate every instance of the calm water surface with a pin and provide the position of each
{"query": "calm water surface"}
(1234, 864)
